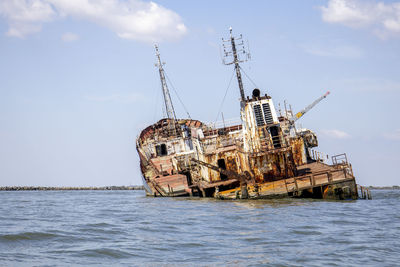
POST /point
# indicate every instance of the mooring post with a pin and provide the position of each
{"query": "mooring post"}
(356, 189)
(216, 195)
(244, 192)
(203, 192)
(287, 191)
(329, 174)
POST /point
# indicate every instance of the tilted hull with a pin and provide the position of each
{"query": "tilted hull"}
(271, 173)
(261, 156)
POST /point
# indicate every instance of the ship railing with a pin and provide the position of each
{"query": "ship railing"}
(340, 162)
(224, 123)
(317, 179)
(317, 155)
(221, 131)
(340, 159)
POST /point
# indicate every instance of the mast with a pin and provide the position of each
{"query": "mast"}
(237, 68)
(233, 51)
(169, 108)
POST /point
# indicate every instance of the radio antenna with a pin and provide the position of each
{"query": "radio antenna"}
(236, 54)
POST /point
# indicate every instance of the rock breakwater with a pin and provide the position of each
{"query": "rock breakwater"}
(50, 188)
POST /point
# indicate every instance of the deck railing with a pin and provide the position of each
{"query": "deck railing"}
(225, 123)
(339, 159)
(318, 178)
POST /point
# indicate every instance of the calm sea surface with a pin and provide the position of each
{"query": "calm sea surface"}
(67, 228)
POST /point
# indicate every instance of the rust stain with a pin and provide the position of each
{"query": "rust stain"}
(261, 155)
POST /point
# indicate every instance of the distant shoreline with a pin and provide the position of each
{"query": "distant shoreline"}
(395, 187)
(71, 188)
(134, 187)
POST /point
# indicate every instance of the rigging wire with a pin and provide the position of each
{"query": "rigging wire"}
(156, 102)
(248, 77)
(226, 92)
(184, 107)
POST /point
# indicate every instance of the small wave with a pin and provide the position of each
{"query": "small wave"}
(104, 252)
(102, 224)
(27, 236)
(191, 245)
(104, 231)
(253, 239)
(304, 232)
(309, 227)
(345, 222)
(148, 229)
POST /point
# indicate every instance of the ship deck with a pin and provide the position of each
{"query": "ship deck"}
(315, 176)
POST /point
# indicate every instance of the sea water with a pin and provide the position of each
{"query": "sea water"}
(126, 228)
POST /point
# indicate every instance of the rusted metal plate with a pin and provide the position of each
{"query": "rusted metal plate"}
(271, 171)
(173, 184)
(286, 187)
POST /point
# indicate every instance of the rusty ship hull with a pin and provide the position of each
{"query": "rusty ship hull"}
(262, 155)
(206, 162)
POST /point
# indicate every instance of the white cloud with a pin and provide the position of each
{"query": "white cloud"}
(336, 134)
(69, 37)
(26, 16)
(395, 135)
(129, 19)
(383, 19)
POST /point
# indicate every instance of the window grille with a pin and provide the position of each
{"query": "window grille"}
(259, 116)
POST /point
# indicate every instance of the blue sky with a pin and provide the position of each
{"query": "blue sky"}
(78, 80)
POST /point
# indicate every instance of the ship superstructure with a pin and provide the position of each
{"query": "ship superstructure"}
(261, 156)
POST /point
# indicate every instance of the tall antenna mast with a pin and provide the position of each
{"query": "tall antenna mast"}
(232, 51)
(169, 108)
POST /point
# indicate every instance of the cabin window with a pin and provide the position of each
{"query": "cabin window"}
(267, 113)
(161, 150)
(258, 115)
(275, 136)
(222, 165)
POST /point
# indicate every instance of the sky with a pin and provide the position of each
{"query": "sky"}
(78, 81)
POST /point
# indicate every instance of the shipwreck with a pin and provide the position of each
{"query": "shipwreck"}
(264, 155)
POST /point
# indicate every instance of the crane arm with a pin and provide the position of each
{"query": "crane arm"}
(306, 109)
